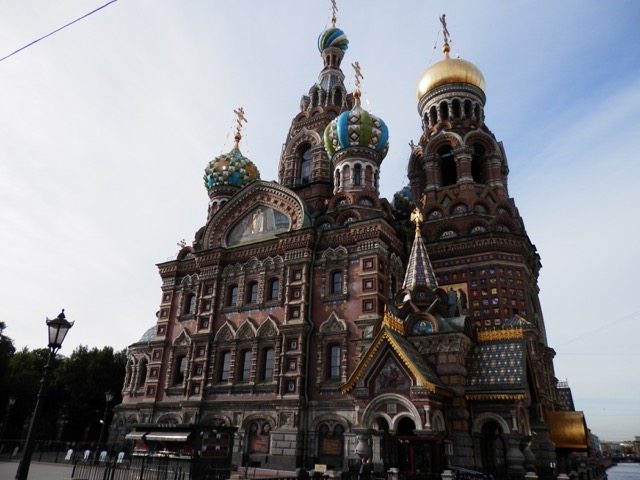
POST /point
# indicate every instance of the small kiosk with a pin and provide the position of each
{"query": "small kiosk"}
(194, 452)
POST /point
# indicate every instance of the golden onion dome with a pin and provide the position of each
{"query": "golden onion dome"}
(450, 70)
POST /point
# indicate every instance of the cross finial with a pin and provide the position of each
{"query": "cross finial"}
(240, 118)
(358, 76)
(334, 12)
(445, 32)
(416, 217)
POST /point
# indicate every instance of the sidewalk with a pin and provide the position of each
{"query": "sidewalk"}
(37, 471)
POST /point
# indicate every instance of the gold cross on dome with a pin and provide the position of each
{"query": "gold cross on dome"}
(334, 11)
(445, 32)
(358, 74)
(240, 118)
(416, 217)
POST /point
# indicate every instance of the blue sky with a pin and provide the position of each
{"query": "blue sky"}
(108, 125)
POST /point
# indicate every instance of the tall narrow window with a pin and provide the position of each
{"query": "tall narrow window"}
(246, 366)
(334, 362)
(190, 304)
(269, 354)
(336, 282)
(274, 289)
(142, 372)
(181, 367)
(357, 175)
(225, 366)
(233, 296)
(305, 165)
(447, 166)
(252, 297)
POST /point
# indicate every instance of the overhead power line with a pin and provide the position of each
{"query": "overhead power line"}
(58, 29)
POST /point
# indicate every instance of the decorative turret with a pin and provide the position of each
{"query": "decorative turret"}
(228, 173)
(357, 142)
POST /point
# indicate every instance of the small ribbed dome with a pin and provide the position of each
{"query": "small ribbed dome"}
(230, 169)
(356, 128)
(450, 70)
(333, 37)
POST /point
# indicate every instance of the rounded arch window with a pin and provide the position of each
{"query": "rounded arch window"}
(305, 163)
(447, 165)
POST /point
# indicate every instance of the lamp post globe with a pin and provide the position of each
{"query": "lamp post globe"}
(58, 329)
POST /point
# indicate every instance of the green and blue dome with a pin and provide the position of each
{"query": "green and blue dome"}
(230, 169)
(356, 128)
(333, 37)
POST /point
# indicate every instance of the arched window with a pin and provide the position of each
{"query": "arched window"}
(267, 371)
(305, 164)
(233, 296)
(274, 289)
(447, 166)
(336, 282)
(181, 367)
(245, 372)
(142, 372)
(478, 164)
(433, 116)
(357, 175)
(333, 370)
(225, 366)
(252, 294)
(190, 304)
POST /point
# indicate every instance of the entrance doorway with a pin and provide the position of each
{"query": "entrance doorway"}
(493, 450)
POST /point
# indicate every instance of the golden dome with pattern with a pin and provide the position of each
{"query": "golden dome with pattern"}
(450, 70)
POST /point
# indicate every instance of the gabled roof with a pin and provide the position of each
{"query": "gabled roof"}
(391, 333)
(497, 368)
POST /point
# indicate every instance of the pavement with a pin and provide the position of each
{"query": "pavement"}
(37, 471)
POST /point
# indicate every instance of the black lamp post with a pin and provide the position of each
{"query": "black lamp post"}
(58, 328)
(108, 396)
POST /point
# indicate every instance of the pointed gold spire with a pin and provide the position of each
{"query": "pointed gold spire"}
(239, 119)
(358, 76)
(416, 217)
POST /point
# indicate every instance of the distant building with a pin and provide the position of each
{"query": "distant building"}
(320, 319)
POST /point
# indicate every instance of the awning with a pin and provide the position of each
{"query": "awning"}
(135, 435)
(568, 430)
(167, 436)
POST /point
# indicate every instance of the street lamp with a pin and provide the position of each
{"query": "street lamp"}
(108, 396)
(58, 328)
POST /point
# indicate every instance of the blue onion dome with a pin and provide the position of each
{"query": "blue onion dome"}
(403, 203)
(333, 37)
(230, 169)
(356, 128)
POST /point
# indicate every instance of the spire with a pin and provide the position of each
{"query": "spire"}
(358, 76)
(419, 269)
(240, 118)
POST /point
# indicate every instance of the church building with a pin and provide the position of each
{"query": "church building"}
(326, 324)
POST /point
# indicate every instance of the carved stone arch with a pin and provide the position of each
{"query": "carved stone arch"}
(228, 272)
(190, 280)
(503, 208)
(226, 333)
(371, 197)
(169, 418)
(442, 232)
(318, 109)
(332, 419)
(458, 208)
(477, 136)
(301, 116)
(259, 417)
(479, 226)
(324, 221)
(438, 423)
(341, 200)
(183, 340)
(258, 193)
(348, 217)
(246, 331)
(481, 207)
(443, 139)
(269, 328)
(380, 403)
(333, 325)
(253, 265)
(133, 419)
(216, 420)
(489, 417)
(415, 160)
(304, 136)
(421, 323)
(435, 214)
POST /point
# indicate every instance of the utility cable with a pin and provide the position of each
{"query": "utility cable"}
(58, 29)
